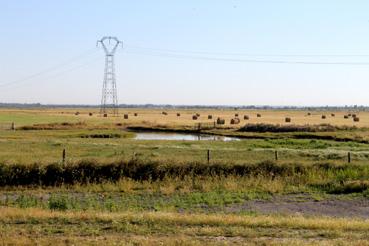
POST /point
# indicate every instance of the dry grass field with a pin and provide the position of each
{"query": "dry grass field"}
(156, 116)
(34, 226)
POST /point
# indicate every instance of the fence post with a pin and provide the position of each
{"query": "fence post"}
(63, 156)
(193, 178)
(276, 155)
(349, 157)
(208, 156)
(13, 126)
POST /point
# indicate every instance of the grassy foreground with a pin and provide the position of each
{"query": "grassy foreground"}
(30, 226)
(114, 189)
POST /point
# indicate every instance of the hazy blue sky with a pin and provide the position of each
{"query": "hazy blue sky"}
(187, 52)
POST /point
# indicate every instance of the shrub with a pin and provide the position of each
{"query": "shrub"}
(261, 127)
(58, 203)
(85, 172)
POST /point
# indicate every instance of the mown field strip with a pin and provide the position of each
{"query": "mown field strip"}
(233, 228)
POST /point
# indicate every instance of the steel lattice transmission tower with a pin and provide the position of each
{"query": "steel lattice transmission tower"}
(109, 101)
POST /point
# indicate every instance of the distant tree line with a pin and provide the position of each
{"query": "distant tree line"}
(170, 106)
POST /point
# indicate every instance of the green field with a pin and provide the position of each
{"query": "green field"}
(113, 187)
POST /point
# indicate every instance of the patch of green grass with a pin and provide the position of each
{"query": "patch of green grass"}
(44, 146)
(58, 202)
(114, 202)
(30, 118)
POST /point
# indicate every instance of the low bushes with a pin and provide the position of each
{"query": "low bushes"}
(347, 187)
(55, 126)
(292, 128)
(101, 135)
(85, 172)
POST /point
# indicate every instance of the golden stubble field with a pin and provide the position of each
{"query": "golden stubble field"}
(156, 117)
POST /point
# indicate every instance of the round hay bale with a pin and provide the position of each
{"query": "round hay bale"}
(164, 113)
(333, 115)
(258, 115)
(105, 115)
(309, 113)
(349, 115)
(235, 121)
(194, 117)
(135, 114)
(235, 115)
(197, 114)
(323, 116)
(345, 116)
(90, 114)
(353, 115)
(220, 121)
(246, 117)
(287, 119)
(178, 114)
(125, 116)
(210, 117)
(77, 113)
(356, 119)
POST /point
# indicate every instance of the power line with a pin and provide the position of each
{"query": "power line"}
(50, 69)
(134, 47)
(209, 58)
(193, 55)
(57, 74)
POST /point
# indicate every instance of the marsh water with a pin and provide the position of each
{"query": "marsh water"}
(181, 136)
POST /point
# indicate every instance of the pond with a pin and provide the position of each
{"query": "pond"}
(181, 136)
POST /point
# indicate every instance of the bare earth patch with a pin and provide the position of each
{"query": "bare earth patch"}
(305, 205)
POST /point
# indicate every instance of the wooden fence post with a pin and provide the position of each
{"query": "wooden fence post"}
(13, 126)
(276, 155)
(63, 156)
(349, 157)
(193, 178)
(208, 156)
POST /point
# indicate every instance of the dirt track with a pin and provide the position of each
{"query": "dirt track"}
(305, 205)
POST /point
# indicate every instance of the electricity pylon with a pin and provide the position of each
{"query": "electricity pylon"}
(109, 101)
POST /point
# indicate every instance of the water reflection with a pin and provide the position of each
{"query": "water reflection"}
(181, 136)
